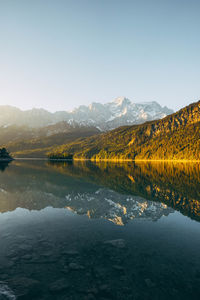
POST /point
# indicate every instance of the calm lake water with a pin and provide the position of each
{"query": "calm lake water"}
(99, 231)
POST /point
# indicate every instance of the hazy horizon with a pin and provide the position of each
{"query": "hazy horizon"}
(109, 101)
(102, 102)
(58, 55)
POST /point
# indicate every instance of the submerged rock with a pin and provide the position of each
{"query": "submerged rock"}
(118, 268)
(24, 287)
(70, 252)
(75, 266)
(149, 283)
(90, 297)
(118, 243)
(5, 292)
(59, 285)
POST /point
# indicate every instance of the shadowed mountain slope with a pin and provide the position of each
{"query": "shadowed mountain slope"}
(24, 141)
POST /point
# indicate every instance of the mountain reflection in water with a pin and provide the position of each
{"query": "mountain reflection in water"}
(117, 192)
(59, 238)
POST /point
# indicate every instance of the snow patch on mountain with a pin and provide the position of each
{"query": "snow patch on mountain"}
(106, 116)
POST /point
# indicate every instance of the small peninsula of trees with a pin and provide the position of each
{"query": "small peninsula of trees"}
(4, 154)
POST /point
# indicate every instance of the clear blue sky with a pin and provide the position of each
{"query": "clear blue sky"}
(58, 54)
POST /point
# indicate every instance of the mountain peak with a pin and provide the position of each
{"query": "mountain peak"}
(121, 101)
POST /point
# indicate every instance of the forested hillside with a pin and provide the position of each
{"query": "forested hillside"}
(177, 136)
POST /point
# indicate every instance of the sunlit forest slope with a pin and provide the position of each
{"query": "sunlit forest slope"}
(175, 137)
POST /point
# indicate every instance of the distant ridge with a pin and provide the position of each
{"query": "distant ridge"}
(107, 116)
(24, 141)
(175, 137)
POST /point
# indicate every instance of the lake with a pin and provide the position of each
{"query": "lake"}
(83, 230)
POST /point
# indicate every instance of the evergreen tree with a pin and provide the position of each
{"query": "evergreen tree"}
(4, 154)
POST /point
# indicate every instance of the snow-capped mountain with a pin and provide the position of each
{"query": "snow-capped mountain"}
(107, 116)
(118, 113)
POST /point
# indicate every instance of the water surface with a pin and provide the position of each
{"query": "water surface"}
(99, 231)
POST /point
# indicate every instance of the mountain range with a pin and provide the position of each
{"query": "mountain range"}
(86, 132)
(174, 137)
(107, 116)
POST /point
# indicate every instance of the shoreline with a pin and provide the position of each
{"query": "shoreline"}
(108, 160)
